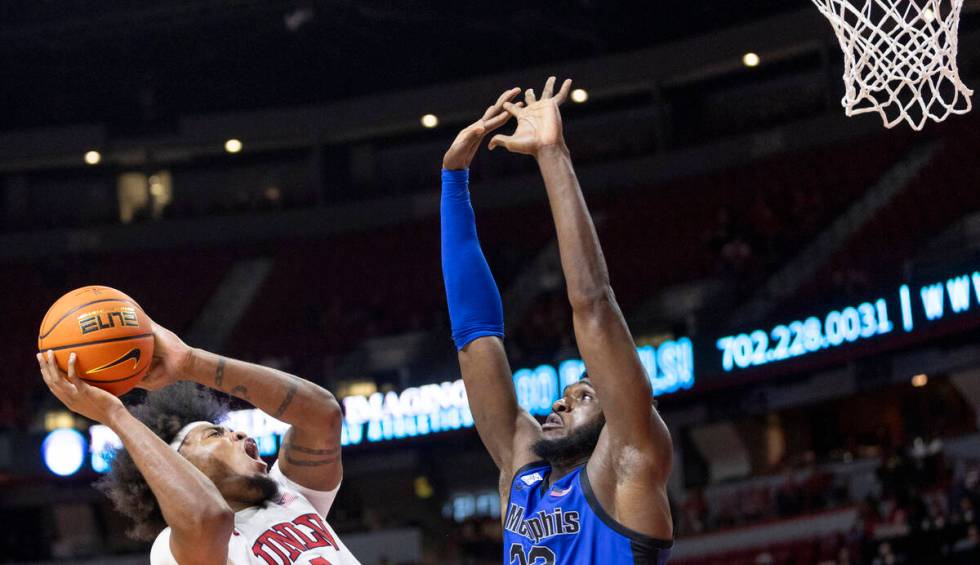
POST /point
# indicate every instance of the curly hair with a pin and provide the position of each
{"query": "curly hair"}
(165, 412)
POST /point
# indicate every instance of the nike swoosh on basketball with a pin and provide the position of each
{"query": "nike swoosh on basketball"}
(133, 354)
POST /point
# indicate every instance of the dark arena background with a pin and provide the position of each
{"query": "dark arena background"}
(262, 177)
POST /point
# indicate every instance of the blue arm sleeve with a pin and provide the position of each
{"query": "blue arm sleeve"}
(475, 309)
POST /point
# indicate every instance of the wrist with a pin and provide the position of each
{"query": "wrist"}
(115, 417)
(189, 367)
(455, 184)
(557, 150)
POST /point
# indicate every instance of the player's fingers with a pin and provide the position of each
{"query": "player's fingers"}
(497, 106)
(488, 112)
(499, 140)
(60, 376)
(529, 96)
(52, 377)
(512, 109)
(72, 374)
(44, 369)
(501, 116)
(496, 121)
(549, 88)
(507, 96)
(49, 366)
(562, 95)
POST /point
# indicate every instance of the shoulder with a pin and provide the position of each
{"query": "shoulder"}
(527, 475)
(632, 501)
(322, 501)
(529, 470)
(648, 460)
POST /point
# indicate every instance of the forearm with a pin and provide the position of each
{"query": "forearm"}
(188, 499)
(486, 376)
(601, 332)
(475, 307)
(583, 264)
(477, 319)
(507, 430)
(285, 397)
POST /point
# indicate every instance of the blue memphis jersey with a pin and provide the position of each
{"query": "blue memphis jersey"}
(565, 524)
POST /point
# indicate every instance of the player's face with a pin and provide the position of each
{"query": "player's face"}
(217, 447)
(576, 410)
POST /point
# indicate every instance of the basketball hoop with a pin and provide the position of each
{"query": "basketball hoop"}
(899, 58)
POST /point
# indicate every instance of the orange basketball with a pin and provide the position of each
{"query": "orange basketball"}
(107, 330)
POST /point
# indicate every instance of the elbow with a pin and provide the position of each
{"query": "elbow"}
(328, 413)
(220, 521)
(593, 301)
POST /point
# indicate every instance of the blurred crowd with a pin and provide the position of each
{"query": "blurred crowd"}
(920, 509)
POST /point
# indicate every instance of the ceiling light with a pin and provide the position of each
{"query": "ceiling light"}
(750, 60)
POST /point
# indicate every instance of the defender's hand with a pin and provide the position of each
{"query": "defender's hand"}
(461, 152)
(170, 359)
(80, 397)
(538, 124)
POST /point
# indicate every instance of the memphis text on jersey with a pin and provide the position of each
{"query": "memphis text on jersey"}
(541, 525)
(289, 540)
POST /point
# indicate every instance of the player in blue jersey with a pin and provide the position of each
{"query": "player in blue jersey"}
(589, 485)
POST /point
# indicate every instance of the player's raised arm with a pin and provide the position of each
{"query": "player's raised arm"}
(310, 452)
(200, 519)
(475, 308)
(604, 340)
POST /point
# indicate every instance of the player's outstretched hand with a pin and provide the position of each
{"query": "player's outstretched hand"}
(538, 123)
(80, 397)
(170, 359)
(464, 147)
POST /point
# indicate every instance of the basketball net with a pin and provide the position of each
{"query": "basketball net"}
(899, 58)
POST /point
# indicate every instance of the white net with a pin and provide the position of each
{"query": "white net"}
(899, 58)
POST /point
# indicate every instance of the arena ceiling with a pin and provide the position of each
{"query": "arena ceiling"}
(137, 64)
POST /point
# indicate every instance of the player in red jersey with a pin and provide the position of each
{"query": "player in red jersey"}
(200, 489)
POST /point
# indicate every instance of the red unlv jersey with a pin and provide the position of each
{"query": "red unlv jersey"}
(290, 529)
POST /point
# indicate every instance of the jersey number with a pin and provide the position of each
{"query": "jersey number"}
(537, 556)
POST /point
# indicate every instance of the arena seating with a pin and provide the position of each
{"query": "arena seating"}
(915, 515)
(772, 205)
(328, 295)
(336, 292)
(943, 192)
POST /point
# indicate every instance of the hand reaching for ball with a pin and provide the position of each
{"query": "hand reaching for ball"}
(171, 358)
(80, 397)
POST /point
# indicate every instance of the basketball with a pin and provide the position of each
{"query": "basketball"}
(107, 330)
